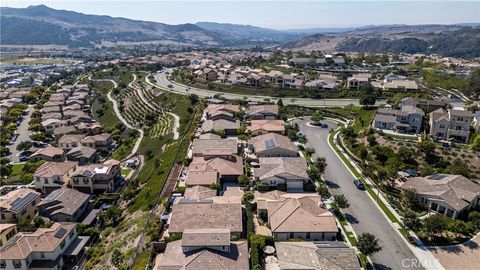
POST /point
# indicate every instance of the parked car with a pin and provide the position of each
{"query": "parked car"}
(359, 184)
(23, 158)
(14, 137)
(39, 144)
(322, 125)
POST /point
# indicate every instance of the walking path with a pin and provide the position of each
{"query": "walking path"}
(176, 118)
(119, 115)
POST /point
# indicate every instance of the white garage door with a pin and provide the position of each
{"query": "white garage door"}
(295, 184)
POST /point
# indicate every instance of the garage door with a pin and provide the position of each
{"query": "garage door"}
(295, 185)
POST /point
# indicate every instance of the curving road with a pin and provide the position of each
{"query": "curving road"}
(363, 214)
(162, 82)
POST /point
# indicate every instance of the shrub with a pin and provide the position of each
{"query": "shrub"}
(282, 187)
(263, 187)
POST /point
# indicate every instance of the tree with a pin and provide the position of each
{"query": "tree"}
(316, 118)
(114, 214)
(427, 147)
(242, 180)
(341, 201)
(411, 221)
(435, 224)
(193, 98)
(24, 146)
(406, 154)
(476, 143)
(371, 140)
(368, 244)
(247, 197)
(321, 164)
(474, 217)
(410, 199)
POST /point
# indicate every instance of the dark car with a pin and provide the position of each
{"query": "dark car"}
(359, 184)
(322, 125)
(23, 158)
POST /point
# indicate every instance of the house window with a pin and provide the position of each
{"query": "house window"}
(3, 264)
(442, 126)
(458, 127)
(291, 235)
(224, 248)
(17, 264)
(46, 181)
(308, 235)
(42, 255)
(62, 244)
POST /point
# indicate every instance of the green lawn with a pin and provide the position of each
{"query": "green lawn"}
(16, 169)
(363, 119)
(125, 171)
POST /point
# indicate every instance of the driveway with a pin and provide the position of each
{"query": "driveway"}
(464, 256)
(164, 83)
(23, 134)
(362, 214)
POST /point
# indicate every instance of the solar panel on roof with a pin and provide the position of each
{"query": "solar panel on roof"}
(60, 233)
(20, 203)
(269, 143)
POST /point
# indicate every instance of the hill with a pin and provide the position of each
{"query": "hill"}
(447, 40)
(41, 25)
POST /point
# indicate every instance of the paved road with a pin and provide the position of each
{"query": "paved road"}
(23, 133)
(363, 214)
(163, 82)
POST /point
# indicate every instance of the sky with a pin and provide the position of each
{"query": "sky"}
(276, 14)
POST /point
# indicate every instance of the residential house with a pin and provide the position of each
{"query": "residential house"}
(356, 81)
(46, 248)
(187, 214)
(452, 125)
(406, 120)
(17, 204)
(214, 108)
(64, 205)
(64, 130)
(273, 145)
(69, 141)
(7, 231)
(89, 128)
(53, 175)
(49, 153)
(400, 85)
(259, 112)
(283, 214)
(228, 167)
(445, 193)
(314, 255)
(259, 127)
(204, 249)
(221, 125)
(209, 74)
(82, 154)
(50, 124)
(96, 178)
(99, 141)
(291, 171)
(199, 193)
(212, 147)
(427, 105)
